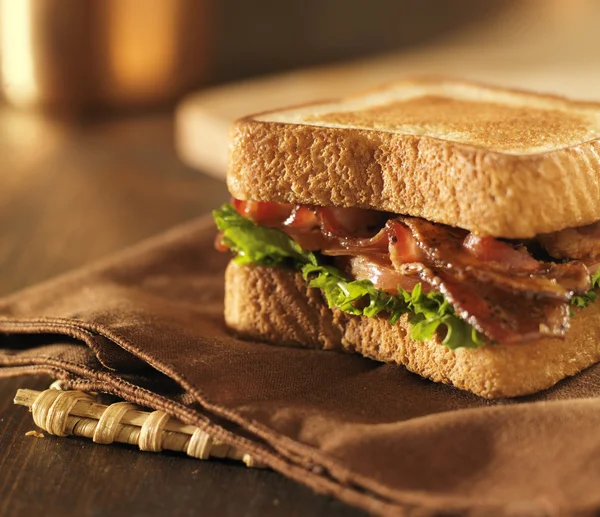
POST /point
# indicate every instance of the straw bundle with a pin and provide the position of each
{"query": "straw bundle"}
(64, 413)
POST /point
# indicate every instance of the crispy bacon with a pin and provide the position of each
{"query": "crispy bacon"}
(383, 275)
(494, 287)
(504, 316)
(394, 242)
(350, 222)
(582, 243)
(302, 219)
(304, 226)
(497, 287)
(489, 249)
(318, 228)
(503, 264)
(403, 246)
(444, 245)
(377, 245)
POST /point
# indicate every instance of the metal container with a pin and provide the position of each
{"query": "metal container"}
(75, 55)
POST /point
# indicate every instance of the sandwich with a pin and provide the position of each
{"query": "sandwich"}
(446, 226)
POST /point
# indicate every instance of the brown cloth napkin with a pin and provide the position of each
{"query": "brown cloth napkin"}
(147, 325)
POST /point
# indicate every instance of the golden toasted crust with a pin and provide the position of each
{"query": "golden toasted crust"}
(485, 124)
(274, 305)
(494, 161)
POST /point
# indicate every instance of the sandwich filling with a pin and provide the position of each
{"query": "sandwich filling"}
(473, 289)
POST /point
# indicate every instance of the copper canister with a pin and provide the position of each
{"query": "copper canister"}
(73, 55)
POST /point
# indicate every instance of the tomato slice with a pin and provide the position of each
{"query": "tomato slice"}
(264, 213)
(219, 246)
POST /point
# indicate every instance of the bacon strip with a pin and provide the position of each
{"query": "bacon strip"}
(582, 243)
(383, 275)
(497, 252)
(507, 296)
(497, 287)
(503, 316)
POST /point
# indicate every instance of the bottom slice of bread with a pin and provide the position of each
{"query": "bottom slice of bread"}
(275, 305)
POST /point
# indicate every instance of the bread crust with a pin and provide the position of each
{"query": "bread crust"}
(274, 305)
(485, 191)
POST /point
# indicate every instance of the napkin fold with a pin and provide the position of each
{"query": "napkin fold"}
(147, 325)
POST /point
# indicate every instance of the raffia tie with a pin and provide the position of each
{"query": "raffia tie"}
(64, 413)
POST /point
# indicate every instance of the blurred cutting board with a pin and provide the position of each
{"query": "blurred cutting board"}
(548, 46)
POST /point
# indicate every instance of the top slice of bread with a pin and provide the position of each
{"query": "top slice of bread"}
(491, 160)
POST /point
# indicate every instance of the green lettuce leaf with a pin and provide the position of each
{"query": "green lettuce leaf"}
(358, 297)
(255, 244)
(430, 311)
(426, 312)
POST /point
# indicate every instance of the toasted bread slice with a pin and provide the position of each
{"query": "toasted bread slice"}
(494, 161)
(274, 305)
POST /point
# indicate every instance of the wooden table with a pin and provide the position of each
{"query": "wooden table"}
(69, 195)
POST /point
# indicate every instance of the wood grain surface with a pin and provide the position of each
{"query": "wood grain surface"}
(70, 195)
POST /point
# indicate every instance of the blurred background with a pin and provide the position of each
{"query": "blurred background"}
(115, 113)
(86, 56)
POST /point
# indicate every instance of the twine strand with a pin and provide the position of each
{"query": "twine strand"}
(109, 424)
(200, 445)
(151, 436)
